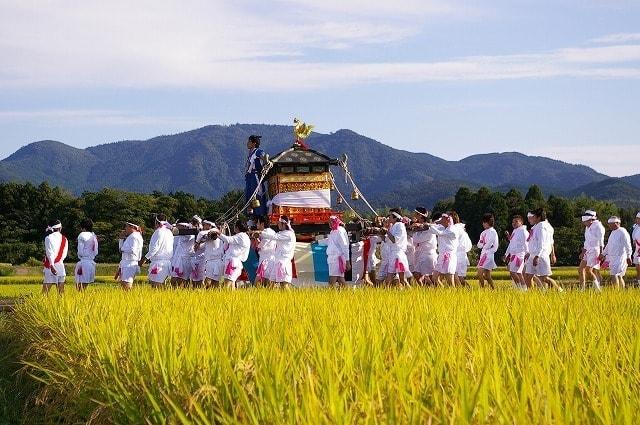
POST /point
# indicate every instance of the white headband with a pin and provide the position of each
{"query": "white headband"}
(423, 214)
(396, 215)
(529, 214)
(135, 226)
(54, 227)
(197, 218)
(613, 219)
(210, 223)
(638, 215)
(587, 218)
(287, 222)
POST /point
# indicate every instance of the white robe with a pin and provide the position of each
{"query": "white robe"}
(517, 249)
(489, 244)
(448, 241)
(283, 254)
(238, 247)
(52, 245)
(85, 270)
(636, 243)
(131, 250)
(593, 243)
(617, 251)
(337, 251)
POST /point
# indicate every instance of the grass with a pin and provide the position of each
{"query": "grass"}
(317, 356)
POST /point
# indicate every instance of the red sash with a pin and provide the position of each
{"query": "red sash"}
(365, 254)
(63, 245)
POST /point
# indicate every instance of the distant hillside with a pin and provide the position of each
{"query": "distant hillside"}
(210, 161)
(616, 190)
(634, 180)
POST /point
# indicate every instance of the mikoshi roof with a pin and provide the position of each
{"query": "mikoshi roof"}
(297, 155)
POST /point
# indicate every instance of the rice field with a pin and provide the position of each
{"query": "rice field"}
(320, 356)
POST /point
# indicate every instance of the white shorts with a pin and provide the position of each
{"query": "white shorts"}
(516, 263)
(232, 269)
(197, 269)
(282, 270)
(487, 261)
(462, 264)
(336, 267)
(181, 268)
(159, 271)
(542, 269)
(447, 263)
(85, 271)
(592, 258)
(399, 264)
(266, 268)
(128, 272)
(617, 266)
(213, 269)
(52, 279)
(426, 262)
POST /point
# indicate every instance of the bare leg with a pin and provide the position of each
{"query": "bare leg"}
(582, 278)
(481, 277)
(229, 284)
(489, 278)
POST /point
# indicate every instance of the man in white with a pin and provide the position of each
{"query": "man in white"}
(426, 244)
(197, 256)
(56, 248)
(213, 253)
(590, 255)
(635, 236)
(488, 244)
(516, 252)
(398, 261)
(85, 270)
(538, 259)
(238, 247)
(181, 266)
(338, 258)
(385, 252)
(131, 249)
(283, 253)
(160, 253)
(464, 246)
(448, 234)
(617, 251)
(265, 273)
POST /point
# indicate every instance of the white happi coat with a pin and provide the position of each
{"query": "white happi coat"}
(517, 249)
(237, 252)
(617, 251)
(448, 241)
(593, 243)
(464, 246)
(635, 236)
(337, 251)
(283, 254)
(488, 244)
(52, 248)
(160, 254)
(266, 254)
(85, 270)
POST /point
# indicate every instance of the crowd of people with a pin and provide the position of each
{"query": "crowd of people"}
(399, 251)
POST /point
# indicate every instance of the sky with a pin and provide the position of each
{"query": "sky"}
(451, 78)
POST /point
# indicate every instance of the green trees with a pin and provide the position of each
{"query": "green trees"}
(563, 214)
(25, 210)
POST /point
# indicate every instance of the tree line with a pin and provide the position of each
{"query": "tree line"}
(25, 210)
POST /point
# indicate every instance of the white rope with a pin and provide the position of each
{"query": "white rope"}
(333, 180)
(348, 174)
(237, 212)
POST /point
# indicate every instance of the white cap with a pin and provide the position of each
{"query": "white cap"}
(613, 219)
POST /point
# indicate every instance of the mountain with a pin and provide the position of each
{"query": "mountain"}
(209, 162)
(616, 190)
(633, 180)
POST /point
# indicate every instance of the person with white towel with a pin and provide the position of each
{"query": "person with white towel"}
(592, 247)
(488, 245)
(618, 251)
(56, 247)
(160, 252)
(516, 251)
(85, 270)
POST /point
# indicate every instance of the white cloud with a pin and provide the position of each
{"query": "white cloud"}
(92, 117)
(254, 46)
(624, 37)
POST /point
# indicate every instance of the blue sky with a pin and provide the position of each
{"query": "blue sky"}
(451, 78)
